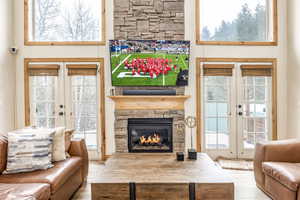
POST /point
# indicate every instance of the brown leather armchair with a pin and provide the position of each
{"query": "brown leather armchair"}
(57, 183)
(277, 169)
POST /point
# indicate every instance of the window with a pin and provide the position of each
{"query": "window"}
(236, 22)
(64, 22)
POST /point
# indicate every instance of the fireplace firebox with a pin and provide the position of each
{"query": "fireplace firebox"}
(150, 135)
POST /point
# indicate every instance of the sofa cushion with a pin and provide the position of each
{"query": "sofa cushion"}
(25, 191)
(55, 176)
(288, 174)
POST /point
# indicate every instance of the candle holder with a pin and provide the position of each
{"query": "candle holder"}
(180, 156)
(190, 122)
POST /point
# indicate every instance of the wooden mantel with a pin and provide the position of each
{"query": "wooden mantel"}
(149, 102)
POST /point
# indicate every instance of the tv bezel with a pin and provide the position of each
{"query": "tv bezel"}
(154, 86)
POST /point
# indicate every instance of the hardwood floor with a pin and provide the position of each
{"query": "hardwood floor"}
(245, 188)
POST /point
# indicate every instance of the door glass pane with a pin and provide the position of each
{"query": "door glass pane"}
(249, 93)
(260, 93)
(217, 93)
(256, 107)
(223, 109)
(216, 110)
(84, 108)
(223, 140)
(211, 125)
(42, 105)
(211, 110)
(223, 125)
(211, 140)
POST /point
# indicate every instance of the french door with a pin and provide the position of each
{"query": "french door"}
(66, 94)
(237, 108)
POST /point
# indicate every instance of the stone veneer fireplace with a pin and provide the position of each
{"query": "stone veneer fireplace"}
(173, 118)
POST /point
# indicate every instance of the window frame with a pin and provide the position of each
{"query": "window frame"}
(27, 42)
(199, 110)
(238, 43)
(102, 128)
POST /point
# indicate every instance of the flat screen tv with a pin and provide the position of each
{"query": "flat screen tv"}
(149, 62)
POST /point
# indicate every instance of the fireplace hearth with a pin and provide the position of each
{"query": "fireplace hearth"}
(150, 135)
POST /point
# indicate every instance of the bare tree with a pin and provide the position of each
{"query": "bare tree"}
(44, 13)
(80, 24)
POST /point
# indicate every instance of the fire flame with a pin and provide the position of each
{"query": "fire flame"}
(155, 139)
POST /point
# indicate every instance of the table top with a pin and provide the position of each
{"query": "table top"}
(160, 168)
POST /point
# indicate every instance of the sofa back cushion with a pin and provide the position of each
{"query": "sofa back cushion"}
(283, 151)
(3, 153)
(68, 137)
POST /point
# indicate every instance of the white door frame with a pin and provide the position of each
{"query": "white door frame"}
(241, 151)
(231, 151)
(58, 98)
(93, 153)
(63, 97)
(236, 147)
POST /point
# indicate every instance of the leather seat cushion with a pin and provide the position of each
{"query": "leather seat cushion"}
(55, 176)
(25, 191)
(288, 174)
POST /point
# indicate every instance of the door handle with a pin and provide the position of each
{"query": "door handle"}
(240, 113)
(61, 113)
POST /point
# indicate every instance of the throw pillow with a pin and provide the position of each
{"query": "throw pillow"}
(68, 137)
(58, 153)
(29, 150)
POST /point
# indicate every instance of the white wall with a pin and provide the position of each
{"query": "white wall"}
(278, 52)
(7, 69)
(293, 75)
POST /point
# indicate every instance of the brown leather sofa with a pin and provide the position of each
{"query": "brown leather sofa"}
(57, 183)
(277, 169)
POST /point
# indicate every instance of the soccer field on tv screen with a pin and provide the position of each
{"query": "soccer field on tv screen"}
(149, 69)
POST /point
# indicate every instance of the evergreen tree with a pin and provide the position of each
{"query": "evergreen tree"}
(205, 35)
(226, 32)
(261, 22)
(245, 25)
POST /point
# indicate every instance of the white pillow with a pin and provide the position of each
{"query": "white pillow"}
(29, 150)
(58, 152)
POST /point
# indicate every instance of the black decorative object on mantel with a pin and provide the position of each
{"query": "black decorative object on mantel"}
(192, 154)
(191, 123)
(180, 156)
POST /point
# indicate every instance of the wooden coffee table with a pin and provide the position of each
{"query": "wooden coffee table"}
(161, 177)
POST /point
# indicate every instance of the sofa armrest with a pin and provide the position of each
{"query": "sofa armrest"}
(78, 148)
(276, 151)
